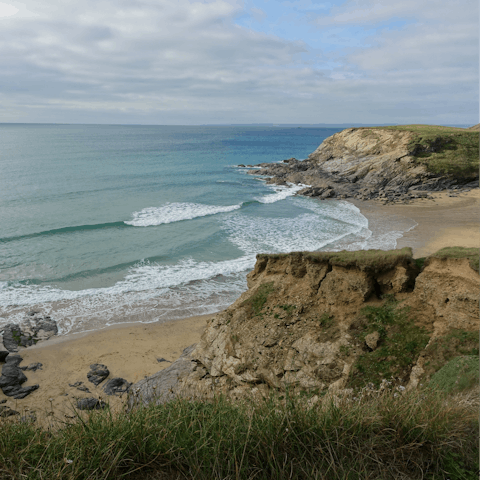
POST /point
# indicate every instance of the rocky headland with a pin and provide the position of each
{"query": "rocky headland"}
(391, 164)
(332, 322)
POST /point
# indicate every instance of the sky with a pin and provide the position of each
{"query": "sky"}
(188, 62)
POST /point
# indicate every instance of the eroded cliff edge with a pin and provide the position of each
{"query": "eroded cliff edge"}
(390, 163)
(330, 321)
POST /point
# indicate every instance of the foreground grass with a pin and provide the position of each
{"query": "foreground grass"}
(414, 435)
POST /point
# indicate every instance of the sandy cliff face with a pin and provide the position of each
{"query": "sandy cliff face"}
(302, 324)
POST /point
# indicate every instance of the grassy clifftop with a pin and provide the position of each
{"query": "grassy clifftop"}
(443, 150)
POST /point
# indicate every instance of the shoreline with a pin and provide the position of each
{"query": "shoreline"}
(441, 222)
(131, 350)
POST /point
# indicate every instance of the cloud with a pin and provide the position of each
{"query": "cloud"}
(7, 10)
(186, 62)
(359, 12)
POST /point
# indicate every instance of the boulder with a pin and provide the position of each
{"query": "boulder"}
(371, 340)
(33, 367)
(80, 386)
(12, 379)
(116, 386)
(3, 351)
(6, 411)
(161, 386)
(98, 373)
(30, 332)
(90, 404)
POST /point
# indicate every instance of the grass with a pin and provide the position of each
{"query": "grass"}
(420, 262)
(460, 252)
(417, 435)
(326, 320)
(444, 150)
(288, 308)
(257, 301)
(460, 373)
(443, 349)
(376, 260)
(400, 343)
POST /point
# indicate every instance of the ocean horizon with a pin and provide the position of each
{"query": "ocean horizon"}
(106, 224)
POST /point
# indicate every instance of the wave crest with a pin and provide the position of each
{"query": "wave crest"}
(176, 212)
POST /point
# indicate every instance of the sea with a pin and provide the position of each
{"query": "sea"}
(107, 224)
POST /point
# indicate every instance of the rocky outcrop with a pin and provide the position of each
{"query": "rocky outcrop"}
(329, 321)
(366, 163)
(98, 373)
(90, 404)
(164, 385)
(116, 386)
(31, 331)
(13, 378)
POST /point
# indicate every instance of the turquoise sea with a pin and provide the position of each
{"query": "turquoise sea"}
(107, 224)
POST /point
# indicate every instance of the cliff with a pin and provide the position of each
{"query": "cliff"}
(333, 322)
(384, 162)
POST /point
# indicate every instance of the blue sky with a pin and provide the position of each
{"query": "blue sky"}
(232, 61)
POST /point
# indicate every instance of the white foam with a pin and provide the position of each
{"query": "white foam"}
(281, 192)
(308, 231)
(204, 286)
(175, 212)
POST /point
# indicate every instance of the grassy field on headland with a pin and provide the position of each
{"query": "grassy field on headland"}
(443, 150)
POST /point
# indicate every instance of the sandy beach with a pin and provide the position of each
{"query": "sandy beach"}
(130, 352)
(133, 351)
(442, 222)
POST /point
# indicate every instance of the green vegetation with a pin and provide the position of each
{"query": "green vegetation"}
(326, 320)
(259, 298)
(460, 252)
(380, 260)
(443, 349)
(288, 308)
(376, 260)
(420, 262)
(416, 435)
(399, 344)
(444, 150)
(460, 373)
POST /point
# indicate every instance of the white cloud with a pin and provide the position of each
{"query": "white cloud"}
(158, 61)
(7, 10)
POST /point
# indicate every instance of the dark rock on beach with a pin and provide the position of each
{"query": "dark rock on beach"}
(29, 333)
(80, 386)
(116, 386)
(6, 411)
(3, 351)
(33, 367)
(160, 360)
(90, 404)
(98, 373)
(12, 379)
